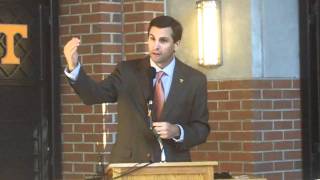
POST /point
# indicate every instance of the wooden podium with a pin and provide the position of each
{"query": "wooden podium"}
(162, 171)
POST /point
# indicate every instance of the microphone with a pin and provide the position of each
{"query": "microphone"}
(151, 75)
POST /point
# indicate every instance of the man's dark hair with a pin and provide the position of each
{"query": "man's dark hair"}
(167, 21)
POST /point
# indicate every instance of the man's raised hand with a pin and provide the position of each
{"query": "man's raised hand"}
(71, 53)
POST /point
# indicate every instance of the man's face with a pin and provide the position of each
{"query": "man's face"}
(161, 45)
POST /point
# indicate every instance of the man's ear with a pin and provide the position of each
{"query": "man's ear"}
(176, 45)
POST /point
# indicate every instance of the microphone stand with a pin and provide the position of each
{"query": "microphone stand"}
(149, 105)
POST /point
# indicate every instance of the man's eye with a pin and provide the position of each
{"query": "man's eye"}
(151, 38)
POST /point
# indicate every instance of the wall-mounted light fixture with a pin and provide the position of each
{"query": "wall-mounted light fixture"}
(209, 32)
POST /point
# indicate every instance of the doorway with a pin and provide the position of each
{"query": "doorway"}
(29, 117)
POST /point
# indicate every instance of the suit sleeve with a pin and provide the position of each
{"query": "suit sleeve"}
(92, 92)
(197, 130)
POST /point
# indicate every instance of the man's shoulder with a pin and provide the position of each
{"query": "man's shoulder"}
(191, 71)
(131, 63)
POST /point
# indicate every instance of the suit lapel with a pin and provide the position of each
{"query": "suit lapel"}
(177, 85)
(140, 95)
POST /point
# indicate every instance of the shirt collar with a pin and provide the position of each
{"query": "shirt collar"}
(168, 69)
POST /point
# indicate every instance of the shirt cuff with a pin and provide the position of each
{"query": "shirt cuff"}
(73, 75)
(181, 138)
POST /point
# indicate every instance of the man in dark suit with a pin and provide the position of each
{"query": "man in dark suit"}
(179, 98)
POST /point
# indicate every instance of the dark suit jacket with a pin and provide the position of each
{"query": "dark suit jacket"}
(128, 85)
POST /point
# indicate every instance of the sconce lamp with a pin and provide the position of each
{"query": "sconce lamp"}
(209, 32)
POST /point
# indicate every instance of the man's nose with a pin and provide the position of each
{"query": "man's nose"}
(157, 45)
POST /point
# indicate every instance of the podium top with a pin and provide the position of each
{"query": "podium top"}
(165, 164)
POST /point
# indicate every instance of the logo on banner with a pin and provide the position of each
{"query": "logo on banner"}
(10, 30)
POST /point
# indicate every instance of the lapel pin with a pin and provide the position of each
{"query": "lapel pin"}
(181, 80)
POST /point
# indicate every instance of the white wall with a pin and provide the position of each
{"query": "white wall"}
(260, 38)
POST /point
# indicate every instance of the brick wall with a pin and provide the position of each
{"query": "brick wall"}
(255, 123)
(255, 128)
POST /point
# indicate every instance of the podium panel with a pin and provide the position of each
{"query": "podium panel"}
(163, 171)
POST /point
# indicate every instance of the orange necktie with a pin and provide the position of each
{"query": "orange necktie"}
(159, 97)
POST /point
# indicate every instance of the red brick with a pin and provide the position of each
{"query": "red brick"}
(94, 18)
(283, 145)
(218, 95)
(271, 115)
(241, 115)
(248, 94)
(112, 28)
(244, 156)
(142, 27)
(67, 147)
(272, 156)
(230, 167)
(133, 38)
(291, 115)
(256, 104)
(230, 146)
(273, 135)
(64, 30)
(257, 146)
(274, 176)
(66, 109)
(96, 58)
(72, 137)
(80, 29)
(218, 115)
(137, 17)
(83, 168)
(97, 118)
(282, 104)
(218, 136)
(83, 128)
(83, 147)
(296, 84)
(212, 106)
(107, 49)
(283, 166)
(282, 84)
(129, 28)
(292, 134)
(271, 94)
(100, 128)
(230, 126)
(80, 9)
(283, 125)
(198, 156)
(70, 99)
(64, 10)
(293, 155)
(83, 49)
(103, 7)
(145, 6)
(296, 104)
(66, 167)
(67, 128)
(95, 38)
(128, 7)
(72, 118)
(263, 167)
(67, 20)
(246, 136)
(257, 125)
(210, 146)
(218, 156)
(73, 157)
(291, 94)
(212, 85)
(293, 175)
(229, 105)
(82, 109)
